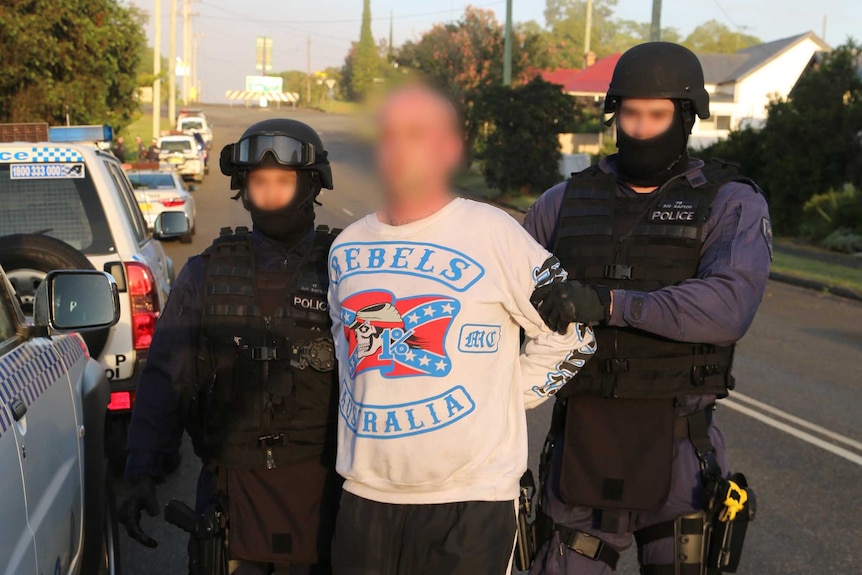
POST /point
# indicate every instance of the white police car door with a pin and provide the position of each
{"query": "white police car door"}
(17, 546)
(51, 447)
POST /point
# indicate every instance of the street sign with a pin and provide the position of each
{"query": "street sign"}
(264, 83)
(264, 54)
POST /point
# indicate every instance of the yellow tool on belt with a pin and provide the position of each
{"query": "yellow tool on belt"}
(734, 502)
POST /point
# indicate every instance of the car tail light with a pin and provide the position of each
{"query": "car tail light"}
(145, 303)
(121, 401)
(172, 202)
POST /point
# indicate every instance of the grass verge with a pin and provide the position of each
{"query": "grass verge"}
(341, 107)
(831, 274)
(143, 127)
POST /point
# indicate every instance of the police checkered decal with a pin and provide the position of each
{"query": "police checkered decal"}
(55, 154)
(28, 370)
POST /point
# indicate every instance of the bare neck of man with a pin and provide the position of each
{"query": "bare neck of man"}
(406, 212)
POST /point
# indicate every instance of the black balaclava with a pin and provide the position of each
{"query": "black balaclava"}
(290, 224)
(654, 161)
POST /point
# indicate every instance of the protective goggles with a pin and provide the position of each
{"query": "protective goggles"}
(287, 151)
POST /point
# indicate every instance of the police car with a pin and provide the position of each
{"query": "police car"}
(67, 204)
(57, 500)
(193, 120)
(182, 153)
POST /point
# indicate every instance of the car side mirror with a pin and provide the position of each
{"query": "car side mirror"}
(76, 300)
(171, 225)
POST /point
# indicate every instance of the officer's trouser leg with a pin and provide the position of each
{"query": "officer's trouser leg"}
(685, 497)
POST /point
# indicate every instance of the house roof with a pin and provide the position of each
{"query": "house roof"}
(561, 76)
(730, 68)
(593, 80)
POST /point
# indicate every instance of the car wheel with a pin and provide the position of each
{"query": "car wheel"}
(27, 258)
(111, 564)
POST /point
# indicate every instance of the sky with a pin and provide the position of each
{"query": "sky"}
(229, 27)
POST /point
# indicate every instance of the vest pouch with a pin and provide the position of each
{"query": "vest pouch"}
(618, 453)
(284, 515)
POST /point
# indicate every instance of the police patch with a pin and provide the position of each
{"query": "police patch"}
(310, 303)
(673, 211)
(766, 229)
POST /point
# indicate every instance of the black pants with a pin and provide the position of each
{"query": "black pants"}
(468, 538)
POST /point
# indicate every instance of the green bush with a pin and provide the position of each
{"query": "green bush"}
(825, 215)
(843, 240)
(523, 148)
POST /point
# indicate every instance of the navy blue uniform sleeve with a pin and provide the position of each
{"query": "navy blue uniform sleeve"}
(718, 305)
(541, 219)
(158, 420)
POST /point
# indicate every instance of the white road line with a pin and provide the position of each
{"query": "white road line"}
(348, 212)
(804, 436)
(797, 420)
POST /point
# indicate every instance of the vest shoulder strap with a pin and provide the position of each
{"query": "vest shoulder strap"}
(230, 240)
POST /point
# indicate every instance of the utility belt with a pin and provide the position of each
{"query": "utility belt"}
(318, 354)
(707, 542)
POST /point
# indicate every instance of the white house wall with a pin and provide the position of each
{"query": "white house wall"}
(778, 77)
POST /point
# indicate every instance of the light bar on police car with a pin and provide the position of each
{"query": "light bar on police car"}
(70, 134)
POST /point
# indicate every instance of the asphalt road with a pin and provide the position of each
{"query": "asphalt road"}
(794, 427)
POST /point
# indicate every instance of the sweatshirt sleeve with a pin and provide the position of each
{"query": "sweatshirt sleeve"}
(548, 359)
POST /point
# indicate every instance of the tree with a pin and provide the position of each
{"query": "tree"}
(69, 56)
(811, 142)
(713, 36)
(363, 63)
(523, 151)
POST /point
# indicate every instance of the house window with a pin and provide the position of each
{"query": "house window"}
(707, 125)
(722, 123)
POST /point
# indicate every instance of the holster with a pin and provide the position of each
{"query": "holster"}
(618, 453)
(728, 534)
(208, 530)
(526, 545)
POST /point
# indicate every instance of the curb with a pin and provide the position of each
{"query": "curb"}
(816, 285)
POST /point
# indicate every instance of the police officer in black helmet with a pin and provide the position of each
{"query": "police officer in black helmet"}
(242, 358)
(668, 258)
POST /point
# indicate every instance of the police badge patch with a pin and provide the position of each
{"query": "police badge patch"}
(766, 229)
(674, 211)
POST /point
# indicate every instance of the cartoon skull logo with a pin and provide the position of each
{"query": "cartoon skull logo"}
(370, 325)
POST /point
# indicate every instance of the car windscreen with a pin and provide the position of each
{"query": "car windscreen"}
(176, 146)
(68, 209)
(192, 125)
(151, 181)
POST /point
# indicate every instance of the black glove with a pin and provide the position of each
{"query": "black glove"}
(561, 303)
(142, 496)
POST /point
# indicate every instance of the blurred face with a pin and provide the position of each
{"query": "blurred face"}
(419, 145)
(120, 139)
(645, 119)
(271, 188)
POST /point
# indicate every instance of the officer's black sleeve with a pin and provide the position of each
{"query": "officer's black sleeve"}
(158, 419)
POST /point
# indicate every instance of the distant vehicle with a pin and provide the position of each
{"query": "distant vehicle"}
(196, 124)
(66, 204)
(161, 190)
(59, 514)
(202, 148)
(181, 151)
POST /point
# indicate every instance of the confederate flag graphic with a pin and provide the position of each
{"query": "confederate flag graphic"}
(400, 337)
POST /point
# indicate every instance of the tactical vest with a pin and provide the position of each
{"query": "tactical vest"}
(646, 245)
(266, 369)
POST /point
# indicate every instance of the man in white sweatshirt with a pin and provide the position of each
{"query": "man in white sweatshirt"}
(427, 297)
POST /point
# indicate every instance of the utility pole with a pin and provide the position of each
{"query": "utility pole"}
(823, 33)
(392, 35)
(157, 70)
(195, 81)
(588, 32)
(172, 66)
(187, 49)
(655, 25)
(308, 72)
(507, 47)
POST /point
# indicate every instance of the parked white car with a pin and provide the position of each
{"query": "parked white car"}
(198, 123)
(59, 514)
(66, 204)
(161, 190)
(182, 153)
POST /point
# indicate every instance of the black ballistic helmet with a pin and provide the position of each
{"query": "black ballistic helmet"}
(281, 141)
(659, 70)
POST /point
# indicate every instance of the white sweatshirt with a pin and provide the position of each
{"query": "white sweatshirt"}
(433, 389)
